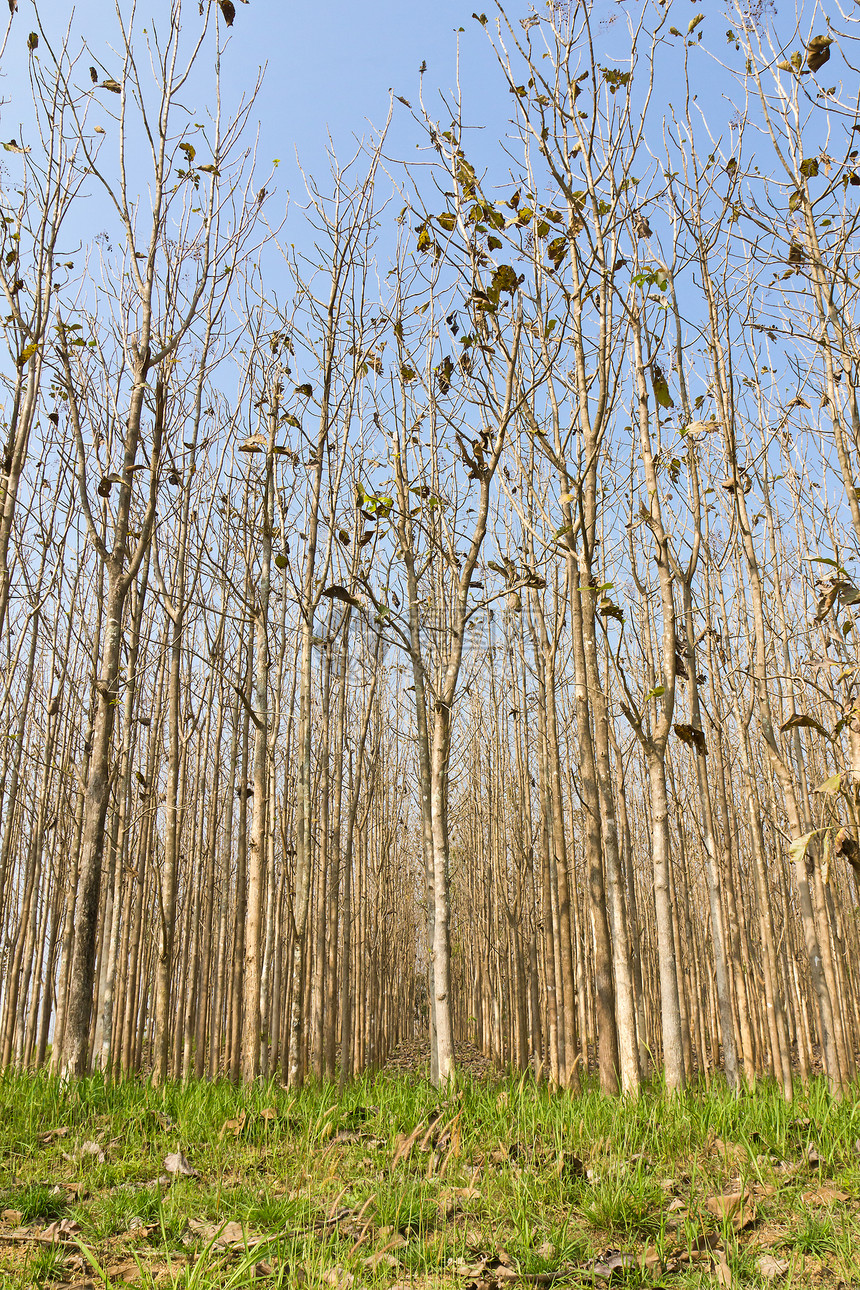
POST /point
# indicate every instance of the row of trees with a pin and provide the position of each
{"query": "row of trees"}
(461, 633)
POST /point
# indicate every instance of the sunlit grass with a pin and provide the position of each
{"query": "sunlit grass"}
(510, 1174)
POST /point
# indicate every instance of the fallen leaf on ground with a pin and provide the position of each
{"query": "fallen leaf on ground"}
(454, 1199)
(233, 1126)
(338, 1277)
(175, 1163)
(382, 1259)
(50, 1135)
(123, 1272)
(771, 1267)
(737, 1206)
(230, 1234)
(825, 1196)
(224, 1235)
(612, 1261)
(722, 1271)
(60, 1229)
(140, 1228)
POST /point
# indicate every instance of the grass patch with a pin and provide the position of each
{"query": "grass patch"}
(393, 1183)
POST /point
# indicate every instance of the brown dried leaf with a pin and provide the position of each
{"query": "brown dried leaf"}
(50, 1135)
(613, 1261)
(338, 1277)
(60, 1230)
(825, 1196)
(771, 1267)
(233, 1126)
(738, 1207)
(123, 1272)
(230, 1236)
(722, 1271)
(175, 1163)
(382, 1259)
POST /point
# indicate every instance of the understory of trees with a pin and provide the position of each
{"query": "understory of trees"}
(440, 618)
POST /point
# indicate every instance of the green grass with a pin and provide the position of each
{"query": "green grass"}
(509, 1175)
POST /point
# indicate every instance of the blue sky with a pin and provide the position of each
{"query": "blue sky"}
(328, 67)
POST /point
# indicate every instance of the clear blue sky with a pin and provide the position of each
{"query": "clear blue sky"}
(329, 67)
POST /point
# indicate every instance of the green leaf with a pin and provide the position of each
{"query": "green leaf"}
(809, 168)
(656, 693)
(290, 420)
(694, 22)
(305, 391)
(281, 561)
(447, 221)
(408, 373)
(661, 388)
(189, 150)
(831, 785)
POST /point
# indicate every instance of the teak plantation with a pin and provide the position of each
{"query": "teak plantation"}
(429, 646)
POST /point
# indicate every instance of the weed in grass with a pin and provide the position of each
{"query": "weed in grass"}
(37, 1202)
(817, 1234)
(46, 1265)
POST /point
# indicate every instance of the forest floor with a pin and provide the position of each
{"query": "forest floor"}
(503, 1184)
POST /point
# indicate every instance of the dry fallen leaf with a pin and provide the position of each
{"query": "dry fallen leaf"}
(51, 1134)
(338, 1277)
(382, 1259)
(231, 1234)
(123, 1272)
(738, 1207)
(175, 1163)
(611, 1262)
(825, 1196)
(226, 1235)
(722, 1271)
(60, 1229)
(233, 1126)
(771, 1267)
